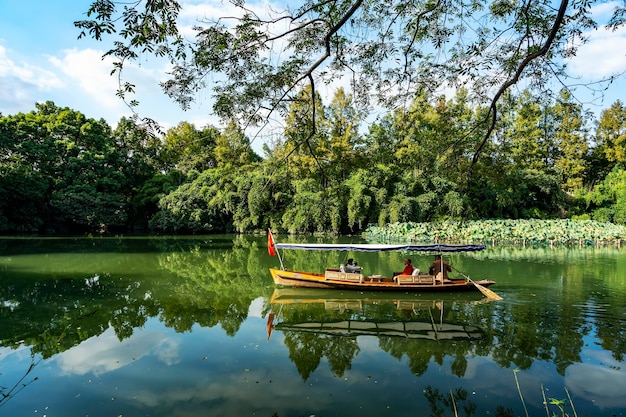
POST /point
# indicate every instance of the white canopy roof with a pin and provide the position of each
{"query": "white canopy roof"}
(372, 247)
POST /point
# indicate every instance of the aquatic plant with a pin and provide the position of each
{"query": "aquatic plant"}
(524, 232)
(560, 404)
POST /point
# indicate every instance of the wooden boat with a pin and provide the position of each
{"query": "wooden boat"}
(333, 278)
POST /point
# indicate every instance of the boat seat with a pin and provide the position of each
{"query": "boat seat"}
(343, 276)
(415, 279)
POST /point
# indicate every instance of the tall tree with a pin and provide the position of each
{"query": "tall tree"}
(142, 159)
(232, 148)
(187, 148)
(345, 141)
(611, 132)
(306, 144)
(83, 175)
(530, 143)
(570, 141)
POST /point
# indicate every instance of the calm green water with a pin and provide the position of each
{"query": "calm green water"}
(194, 327)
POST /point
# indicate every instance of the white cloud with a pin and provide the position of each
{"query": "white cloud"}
(20, 353)
(88, 72)
(604, 10)
(38, 78)
(92, 88)
(21, 81)
(200, 13)
(204, 10)
(598, 384)
(105, 353)
(602, 56)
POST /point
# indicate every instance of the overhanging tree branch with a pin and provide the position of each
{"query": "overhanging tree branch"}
(491, 116)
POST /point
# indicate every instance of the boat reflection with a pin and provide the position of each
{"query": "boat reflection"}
(337, 327)
(379, 315)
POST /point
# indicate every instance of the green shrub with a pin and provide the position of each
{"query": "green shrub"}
(603, 214)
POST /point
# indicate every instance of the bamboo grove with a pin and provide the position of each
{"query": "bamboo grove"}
(62, 172)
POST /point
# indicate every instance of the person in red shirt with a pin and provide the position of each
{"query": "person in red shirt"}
(408, 268)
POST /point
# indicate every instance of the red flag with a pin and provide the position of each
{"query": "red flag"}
(270, 243)
(270, 321)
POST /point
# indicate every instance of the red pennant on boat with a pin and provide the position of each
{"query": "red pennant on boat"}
(270, 243)
(270, 321)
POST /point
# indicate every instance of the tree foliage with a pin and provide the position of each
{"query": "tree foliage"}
(611, 133)
(387, 51)
(84, 180)
(63, 172)
(570, 142)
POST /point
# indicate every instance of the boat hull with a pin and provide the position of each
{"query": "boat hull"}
(301, 279)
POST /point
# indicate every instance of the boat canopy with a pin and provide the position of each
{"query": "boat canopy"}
(372, 247)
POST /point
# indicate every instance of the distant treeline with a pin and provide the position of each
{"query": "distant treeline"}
(61, 172)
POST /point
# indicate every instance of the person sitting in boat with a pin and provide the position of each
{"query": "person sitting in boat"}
(352, 267)
(439, 266)
(408, 269)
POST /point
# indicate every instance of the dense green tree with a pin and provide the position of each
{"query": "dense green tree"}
(530, 145)
(232, 147)
(189, 149)
(537, 194)
(60, 171)
(345, 152)
(140, 152)
(145, 202)
(139, 147)
(205, 204)
(607, 200)
(365, 195)
(23, 194)
(570, 142)
(306, 144)
(489, 190)
(254, 211)
(87, 192)
(267, 192)
(611, 132)
(420, 146)
(312, 208)
(380, 141)
(84, 185)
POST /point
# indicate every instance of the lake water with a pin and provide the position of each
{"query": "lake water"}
(194, 327)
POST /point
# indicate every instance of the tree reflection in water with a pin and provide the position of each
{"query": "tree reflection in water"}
(455, 402)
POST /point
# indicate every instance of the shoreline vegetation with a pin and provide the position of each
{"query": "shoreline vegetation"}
(530, 232)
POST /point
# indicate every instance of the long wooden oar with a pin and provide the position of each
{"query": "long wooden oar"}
(486, 291)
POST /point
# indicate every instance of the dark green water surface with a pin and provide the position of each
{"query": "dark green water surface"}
(108, 327)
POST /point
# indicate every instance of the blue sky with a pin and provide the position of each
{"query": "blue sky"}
(42, 59)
